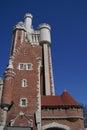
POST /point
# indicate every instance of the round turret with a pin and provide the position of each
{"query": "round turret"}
(8, 85)
(28, 22)
(44, 33)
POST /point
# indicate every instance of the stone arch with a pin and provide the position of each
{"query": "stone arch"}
(55, 125)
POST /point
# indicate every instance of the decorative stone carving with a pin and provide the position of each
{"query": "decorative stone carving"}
(20, 25)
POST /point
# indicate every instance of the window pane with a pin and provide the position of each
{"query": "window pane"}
(24, 83)
(23, 102)
(29, 66)
(21, 66)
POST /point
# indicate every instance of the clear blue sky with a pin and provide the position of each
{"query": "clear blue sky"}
(68, 20)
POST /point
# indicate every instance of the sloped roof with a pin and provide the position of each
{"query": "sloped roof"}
(65, 99)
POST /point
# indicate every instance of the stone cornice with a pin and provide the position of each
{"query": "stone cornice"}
(63, 117)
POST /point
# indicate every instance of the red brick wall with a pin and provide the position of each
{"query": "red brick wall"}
(26, 54)
(62, 112)
(73, 125)
(51, 115)
(29, 92)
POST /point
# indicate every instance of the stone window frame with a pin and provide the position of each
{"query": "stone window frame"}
(25, 66)
(23, 102)
(28, 66)
(24, 83)
(21, 66)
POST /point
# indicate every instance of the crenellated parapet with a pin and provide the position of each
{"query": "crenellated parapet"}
(25, 32)
(44, 33)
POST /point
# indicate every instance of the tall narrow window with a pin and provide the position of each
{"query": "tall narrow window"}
(28, 66)
(24, 83)
(21, 66)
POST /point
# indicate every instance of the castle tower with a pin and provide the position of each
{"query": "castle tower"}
(28, 99)
(31, 59)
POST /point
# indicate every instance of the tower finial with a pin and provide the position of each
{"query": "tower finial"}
(65, 90)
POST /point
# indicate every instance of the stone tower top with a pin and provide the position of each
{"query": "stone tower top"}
(35, 37)
(45, 33)
(28, 21)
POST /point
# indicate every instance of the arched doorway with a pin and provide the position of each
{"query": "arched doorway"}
(55, 126)
(55, 129)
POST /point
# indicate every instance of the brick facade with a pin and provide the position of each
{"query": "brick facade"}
(27, 101)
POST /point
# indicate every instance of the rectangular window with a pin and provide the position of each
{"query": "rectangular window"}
(21, 66)
(28, 66)
(23, 102)
(25, 66)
